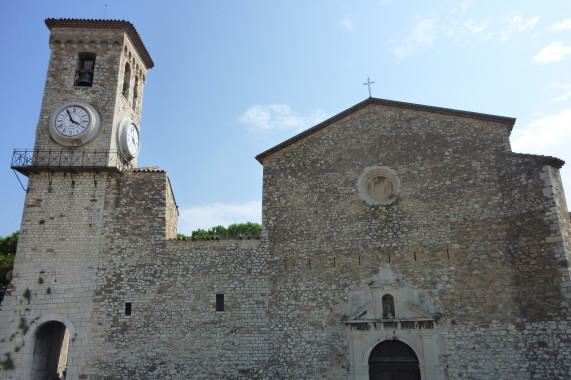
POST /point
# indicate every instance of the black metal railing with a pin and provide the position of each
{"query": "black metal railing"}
(29, 159)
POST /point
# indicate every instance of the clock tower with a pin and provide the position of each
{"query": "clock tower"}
(86, 147)
(91, 110)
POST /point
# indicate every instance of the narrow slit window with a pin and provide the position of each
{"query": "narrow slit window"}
(85, 70)
(135, 93)
(127, 309)
(127, 80)
(220, 302)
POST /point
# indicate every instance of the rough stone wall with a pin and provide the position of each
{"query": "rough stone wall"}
(476, 245)
(172, 213)
(56, 265)
(174, 330)
(559, 213)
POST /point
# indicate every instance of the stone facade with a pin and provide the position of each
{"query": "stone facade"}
(462, 255)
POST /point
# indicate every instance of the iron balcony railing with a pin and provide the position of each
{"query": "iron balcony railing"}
(26, 160)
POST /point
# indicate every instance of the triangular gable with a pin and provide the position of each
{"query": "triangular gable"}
(391, 103)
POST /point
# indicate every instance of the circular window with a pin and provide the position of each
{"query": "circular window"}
(378, 185)
(380, 188)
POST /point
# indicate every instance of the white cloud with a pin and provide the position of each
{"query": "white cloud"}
(215, 214)
(549, 136)
(279, 117)
(461, 8)
(476, 27)
(563, 25)
(566, 87)
(466, 4)
(516, 23)
(346, 24)
(420, 38)
(554, 52)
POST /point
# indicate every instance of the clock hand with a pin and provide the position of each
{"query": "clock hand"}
(71, 118)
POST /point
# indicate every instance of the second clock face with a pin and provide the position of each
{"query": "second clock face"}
(132, 139)
(128, 139)
(72, 121)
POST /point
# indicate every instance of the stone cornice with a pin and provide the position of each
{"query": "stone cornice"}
(105, 24)
(541, 159)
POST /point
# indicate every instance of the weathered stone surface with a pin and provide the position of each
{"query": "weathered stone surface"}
(468, 265)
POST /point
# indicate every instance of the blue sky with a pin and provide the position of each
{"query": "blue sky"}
(234, 78)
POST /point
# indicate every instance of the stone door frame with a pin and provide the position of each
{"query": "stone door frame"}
(30, 339)
(422, 342)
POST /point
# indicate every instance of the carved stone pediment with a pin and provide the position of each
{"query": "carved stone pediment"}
(387, 298)
(386, 308)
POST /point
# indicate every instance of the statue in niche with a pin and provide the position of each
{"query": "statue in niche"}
(421, 297)
(388, 306)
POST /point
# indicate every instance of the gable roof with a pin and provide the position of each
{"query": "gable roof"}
(509, 121)
(105, 24)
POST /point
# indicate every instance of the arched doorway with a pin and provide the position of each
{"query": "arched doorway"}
(393, 360)
(50, 350)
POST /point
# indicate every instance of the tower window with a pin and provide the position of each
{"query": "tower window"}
(127, 309)
(85, 69)
(220, 302)
(135, 92)
(127, 80)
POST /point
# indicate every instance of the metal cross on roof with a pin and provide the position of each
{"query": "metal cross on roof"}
(368, 83)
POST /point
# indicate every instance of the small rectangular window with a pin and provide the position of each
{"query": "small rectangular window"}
(127, 309)
(220, 302)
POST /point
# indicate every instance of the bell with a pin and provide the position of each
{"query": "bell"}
(85, 79)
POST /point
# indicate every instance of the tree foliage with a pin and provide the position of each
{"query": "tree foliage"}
(8, 246)
(234, 231)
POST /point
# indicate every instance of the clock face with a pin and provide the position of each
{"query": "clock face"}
(72, 121)
(132, 134)
(128, 139)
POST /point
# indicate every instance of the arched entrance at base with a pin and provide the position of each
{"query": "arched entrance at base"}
(50, 350)
(393, 360)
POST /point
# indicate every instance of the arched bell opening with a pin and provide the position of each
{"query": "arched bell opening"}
(50, 350)
(393, 360)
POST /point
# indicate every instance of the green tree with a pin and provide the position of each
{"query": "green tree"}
(8, 246)
(248, 229)
(234, 231)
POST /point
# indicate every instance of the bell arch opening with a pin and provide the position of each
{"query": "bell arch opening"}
(50, 350)
(393, 360)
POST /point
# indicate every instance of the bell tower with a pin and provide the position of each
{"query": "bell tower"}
(87, 141)
(91, 109)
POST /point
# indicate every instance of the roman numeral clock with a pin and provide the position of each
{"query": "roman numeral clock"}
(74, 123)
(128, 136)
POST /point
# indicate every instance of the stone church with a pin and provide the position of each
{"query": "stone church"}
(399, 241)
